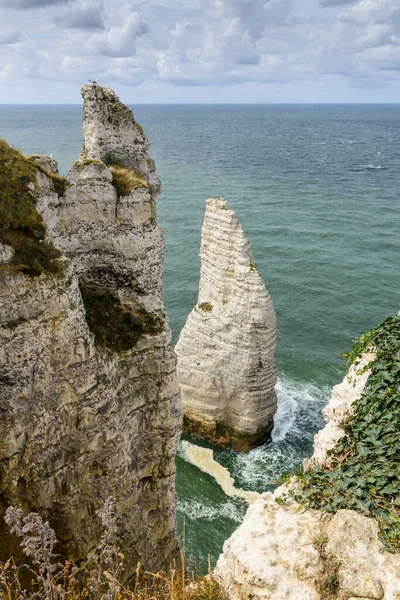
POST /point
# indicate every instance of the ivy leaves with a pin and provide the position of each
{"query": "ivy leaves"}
(364, 474)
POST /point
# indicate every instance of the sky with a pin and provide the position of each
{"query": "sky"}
(195, 51)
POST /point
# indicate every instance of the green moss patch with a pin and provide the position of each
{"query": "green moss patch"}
(21, 225)
(114, 325)
(364, 474)
(205, 306)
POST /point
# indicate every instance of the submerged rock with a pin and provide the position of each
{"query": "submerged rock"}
(89, 396)
(226, 364)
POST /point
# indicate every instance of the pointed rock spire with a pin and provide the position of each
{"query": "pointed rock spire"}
(226, 364)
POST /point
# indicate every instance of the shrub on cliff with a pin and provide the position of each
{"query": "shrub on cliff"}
(115, 325)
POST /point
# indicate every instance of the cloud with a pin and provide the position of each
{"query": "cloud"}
(21, 4)
(120, 40)
(86, 15)
(9, 36)
(326, 3)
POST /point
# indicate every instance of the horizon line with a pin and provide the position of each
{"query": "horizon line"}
(211, 103)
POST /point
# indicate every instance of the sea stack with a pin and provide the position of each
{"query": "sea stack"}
(89, 396)
(226, 364)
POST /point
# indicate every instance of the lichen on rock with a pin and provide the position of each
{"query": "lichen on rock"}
(225, 351)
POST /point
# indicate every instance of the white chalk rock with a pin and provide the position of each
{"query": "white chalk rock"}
(226, 364)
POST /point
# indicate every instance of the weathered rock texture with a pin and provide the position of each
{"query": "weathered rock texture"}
(225, 352)
(84, 417)
(284, 552)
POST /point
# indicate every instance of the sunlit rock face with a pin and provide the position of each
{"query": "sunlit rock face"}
(225, 352)
(89, 397)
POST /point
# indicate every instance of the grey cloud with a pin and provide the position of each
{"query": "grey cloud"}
(22, 4)
(326, 3)
(9, 36)
(85, 15)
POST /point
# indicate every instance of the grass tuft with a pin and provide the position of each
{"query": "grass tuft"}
(126, 180)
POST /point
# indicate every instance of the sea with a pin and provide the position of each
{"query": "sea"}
(317, 191)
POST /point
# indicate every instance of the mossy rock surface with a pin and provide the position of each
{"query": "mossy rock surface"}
(116, 326)
(21, 225)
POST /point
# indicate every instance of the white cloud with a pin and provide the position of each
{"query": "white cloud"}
(120, 40)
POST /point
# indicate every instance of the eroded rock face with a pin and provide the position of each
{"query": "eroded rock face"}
(283, 552)
(288, 553)
(83, 416)
(225, 352)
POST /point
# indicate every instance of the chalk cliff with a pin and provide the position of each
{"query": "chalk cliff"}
(89, 397)
(225, 351)
(286, 551)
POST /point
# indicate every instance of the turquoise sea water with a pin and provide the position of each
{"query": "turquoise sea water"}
(317, 190)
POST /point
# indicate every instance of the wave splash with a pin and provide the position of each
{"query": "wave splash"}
(297, 420)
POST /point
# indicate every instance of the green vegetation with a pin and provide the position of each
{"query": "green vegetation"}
(364, 470)
(253, 266)
(205, 306)
(60, 183)
(114, 325)
(49, 580)
(125, 180)
(21, 225)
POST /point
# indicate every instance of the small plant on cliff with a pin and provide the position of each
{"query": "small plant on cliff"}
(364, 469)
(126, 180)
(51, 581)
(205, 306)
(116, 326)
(21, 225)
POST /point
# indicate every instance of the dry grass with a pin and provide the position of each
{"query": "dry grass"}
(175, 584)
(126, 180)
(48, 580)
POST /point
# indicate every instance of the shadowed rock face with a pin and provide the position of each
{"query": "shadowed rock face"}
(225, 352)
(88, 413)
